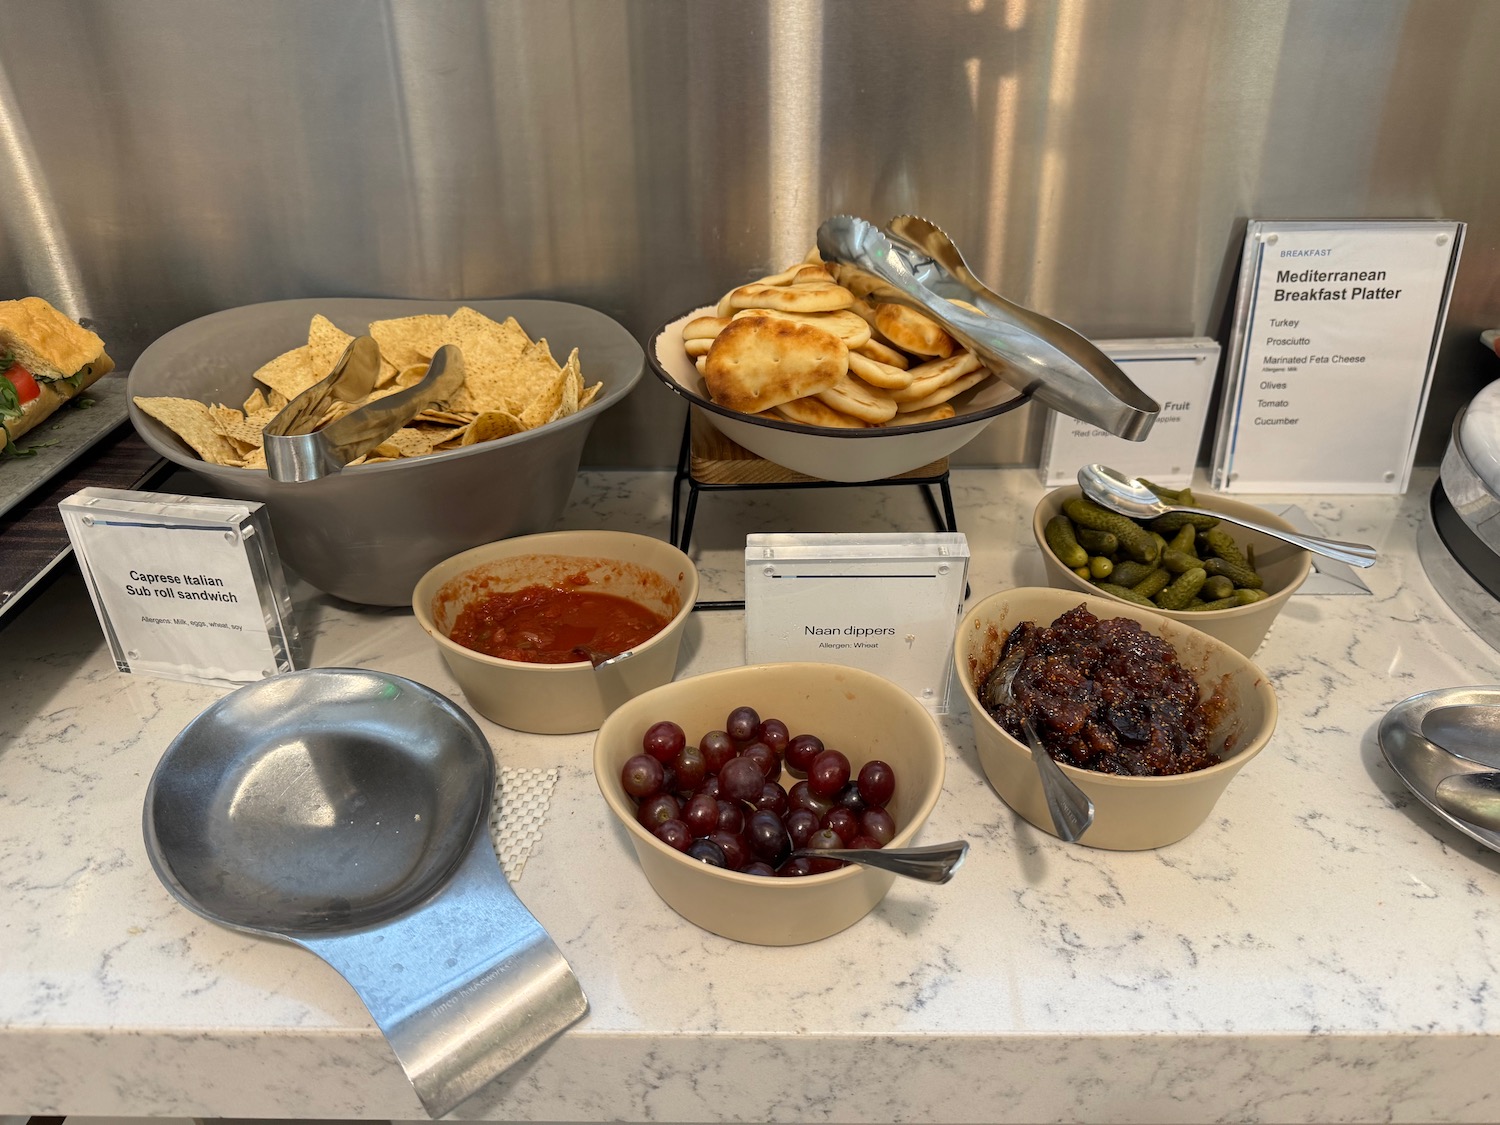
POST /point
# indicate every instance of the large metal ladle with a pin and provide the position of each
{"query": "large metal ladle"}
(1112, 489)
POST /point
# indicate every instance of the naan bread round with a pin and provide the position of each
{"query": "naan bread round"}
(939, 413)
(874, 349)
(814, 412)
(879, 374)
(760, 361)
(704, 327)
(910, 331)
(943, 394)
(842, 323)
(935, 375)
(859, 400)
(816, 296)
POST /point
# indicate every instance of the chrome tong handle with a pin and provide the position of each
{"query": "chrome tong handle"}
(295, 452)
(916, 264)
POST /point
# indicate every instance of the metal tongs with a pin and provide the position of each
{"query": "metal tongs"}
(297, 452)
(912, 262)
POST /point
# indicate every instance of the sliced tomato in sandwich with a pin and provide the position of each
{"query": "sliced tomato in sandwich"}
(25, 383)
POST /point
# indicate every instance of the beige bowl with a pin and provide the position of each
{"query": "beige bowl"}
(1242, 628)
(1130, 813)
(559, 698)
(850, 709)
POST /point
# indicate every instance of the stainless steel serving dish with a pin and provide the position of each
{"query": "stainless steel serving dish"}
(345, 810)
(368, 533)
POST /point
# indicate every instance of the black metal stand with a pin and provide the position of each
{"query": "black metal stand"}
(943, 517)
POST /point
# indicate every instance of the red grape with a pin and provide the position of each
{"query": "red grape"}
(801, 751)
(764, 757)
(717, 749)
(759, 867)
(829, 773)
(742, 724)
(800, 824)
(701, 814)
(732, 844)
(773, 797)
(691, 768)
(865, 842)
(654, 810)
(877, 783)
(741, 779)
(706, 851)
(767, 836)
(844, 822)
(774, 733)
(801, 796)
(795, 868)
(731, 817)
(675, 834)
(878, 823)
(642, 776)
(663, 740)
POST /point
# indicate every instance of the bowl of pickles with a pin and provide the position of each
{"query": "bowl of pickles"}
(1208, 573)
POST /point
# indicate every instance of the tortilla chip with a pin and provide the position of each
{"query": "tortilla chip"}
(589, 395)
(405, 442)
(191, 421)
(256, 402)
(410, 340)
(491, 425)
(290, 373)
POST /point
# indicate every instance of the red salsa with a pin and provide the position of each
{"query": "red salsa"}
(543, 624)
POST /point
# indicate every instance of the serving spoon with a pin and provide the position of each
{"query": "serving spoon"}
(1112, 489)
(931, 863)
(1070, 807)
(1466, 730)
(1472, 797)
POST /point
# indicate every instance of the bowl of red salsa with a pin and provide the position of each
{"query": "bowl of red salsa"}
(521, 623)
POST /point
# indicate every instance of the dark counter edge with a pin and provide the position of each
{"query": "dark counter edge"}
(34, 546)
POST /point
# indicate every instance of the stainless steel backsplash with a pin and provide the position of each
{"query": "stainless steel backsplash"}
(1096, 159)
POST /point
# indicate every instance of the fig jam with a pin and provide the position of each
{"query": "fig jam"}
(1103, 695)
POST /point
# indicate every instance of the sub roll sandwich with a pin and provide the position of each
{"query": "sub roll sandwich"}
(45, 359)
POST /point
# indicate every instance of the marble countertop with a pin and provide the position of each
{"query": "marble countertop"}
(1323, 949)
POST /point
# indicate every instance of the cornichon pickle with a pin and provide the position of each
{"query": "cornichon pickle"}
(1064, 544)
(1130, 573)
(1217, 603)
(1184, 588)
(1178, 562)
(1101, 567)
(1246, 595)
(1186, 540)
(1171, 522)
(1083, 572)
(1134, 539)
(1170, 495)
(1217, 541)
(1217, 587)
(1105, 543)
(1237, 573)
(1154, 583)
(1126, 593)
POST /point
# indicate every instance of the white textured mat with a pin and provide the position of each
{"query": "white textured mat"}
(517, 815)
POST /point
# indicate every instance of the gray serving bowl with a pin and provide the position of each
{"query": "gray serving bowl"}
(368, 533)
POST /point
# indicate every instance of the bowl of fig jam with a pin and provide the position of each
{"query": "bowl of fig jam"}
(520, 623)
(1151, 718)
